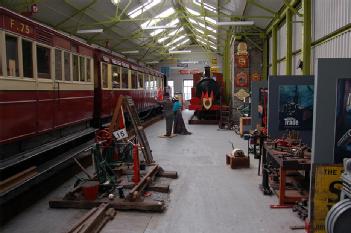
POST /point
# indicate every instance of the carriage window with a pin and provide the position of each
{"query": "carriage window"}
(58, 64)
(75, 68)
(82, 68)
(67, 66)
(43, 62)
(27, 59)
(88, 70)
(134, 80)
(124, 78)
(151, 82)
(140, 80)
(104, 75)
(146, 81)
(116, 77)
(11, 56)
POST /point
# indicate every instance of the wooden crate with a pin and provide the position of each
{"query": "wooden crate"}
(238, 162)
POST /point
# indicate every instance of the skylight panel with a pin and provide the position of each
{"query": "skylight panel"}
(144, 7)
(175, 40)
(181, 43)
(213, 37)
(210, 20)
(203, 25)
(199, 38)
(206, 5)
(202, 32)
(170, 34)
(158, 31)
(192, 11)
(158, 17)
(214, 47)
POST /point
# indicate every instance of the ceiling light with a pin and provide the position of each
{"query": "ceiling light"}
(144, 7)
(213, 37)
(115, 2)
(152, 62)
(214, 47)
(236, 23)
(130, 51)
(189, 62)
(159, 27)
(179, 51)
(86, 31)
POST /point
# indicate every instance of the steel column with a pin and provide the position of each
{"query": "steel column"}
(306, 39)
(274, 50)
(289, 36)
(265, 59)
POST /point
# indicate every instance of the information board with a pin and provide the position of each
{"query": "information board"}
(325, 193)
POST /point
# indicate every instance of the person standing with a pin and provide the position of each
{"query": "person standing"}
(179, 125)
(167, 113)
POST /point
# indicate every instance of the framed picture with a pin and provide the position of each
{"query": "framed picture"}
(296, 107)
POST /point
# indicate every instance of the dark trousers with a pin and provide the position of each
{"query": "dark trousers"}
(169, 123)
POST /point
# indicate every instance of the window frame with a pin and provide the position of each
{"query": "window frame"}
(128, 79)
(107, 68)
(62, 65)
(184, 94)
(19, 58)
(36, 62)
(32, 45)
(120, 77)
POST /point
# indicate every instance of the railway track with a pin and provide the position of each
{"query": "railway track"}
(53, 164)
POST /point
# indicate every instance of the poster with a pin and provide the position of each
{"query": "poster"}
(262, 106)
(343, 121)
(325, 193)
(295, 107)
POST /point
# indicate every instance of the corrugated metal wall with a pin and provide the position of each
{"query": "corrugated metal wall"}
(281, 68)
(330, 15)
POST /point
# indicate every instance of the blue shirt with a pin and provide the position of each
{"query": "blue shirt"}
(177, 106)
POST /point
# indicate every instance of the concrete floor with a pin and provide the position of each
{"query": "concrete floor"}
(208, 196)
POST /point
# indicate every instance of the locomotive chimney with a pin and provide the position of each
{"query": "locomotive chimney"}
(207, 72)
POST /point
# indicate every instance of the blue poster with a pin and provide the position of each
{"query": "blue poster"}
(295, 107)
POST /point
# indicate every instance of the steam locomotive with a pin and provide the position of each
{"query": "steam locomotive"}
(207, 94)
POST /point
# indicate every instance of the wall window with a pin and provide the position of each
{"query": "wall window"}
(43, 62)
(27, 53)
(140, 80)
(82, 68)
(171, 85)
(88, 70)
(187, 85)
(104, 77)
(58, 64)
(116, 77)
(12, 56)
(67, 66)
(124, 78)
(134, 80)
(75, 68)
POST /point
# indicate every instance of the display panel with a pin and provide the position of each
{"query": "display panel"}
(343, 121)
(295, 107)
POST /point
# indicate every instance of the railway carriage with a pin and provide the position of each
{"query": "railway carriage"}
(116, 77)
(53, 85)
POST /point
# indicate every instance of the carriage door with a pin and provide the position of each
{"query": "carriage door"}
(45, 88)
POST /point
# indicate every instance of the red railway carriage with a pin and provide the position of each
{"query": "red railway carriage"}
(46, 78)
(50, 82)
(116, 76)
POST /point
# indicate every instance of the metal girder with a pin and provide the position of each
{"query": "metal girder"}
(75, 13)
(289, 43)
(306, 42)
(274, 50)
(287, 3)
(252, 2)
(253, 43)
